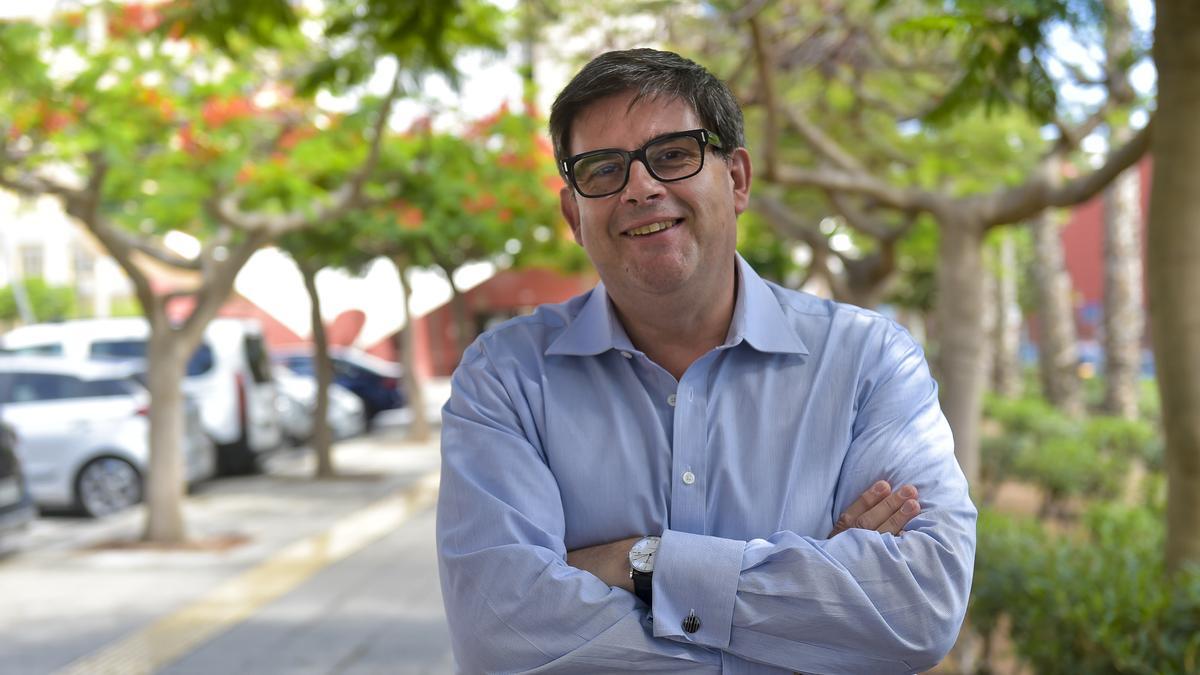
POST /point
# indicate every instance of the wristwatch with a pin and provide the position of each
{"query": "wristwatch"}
(641, 567)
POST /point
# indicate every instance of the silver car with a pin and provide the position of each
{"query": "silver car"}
(83, 432)
(298, 399)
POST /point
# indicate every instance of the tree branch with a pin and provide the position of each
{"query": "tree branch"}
(822, 143)
(766, 79)
(860, 220)
(904, 199)
(1018, 203)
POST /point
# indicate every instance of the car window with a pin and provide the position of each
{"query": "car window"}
(256, 355)
(118, 349)
(200, 363)
(301, 365)
(48, 349)
(97, 388)
(27, 387)
(343, 369)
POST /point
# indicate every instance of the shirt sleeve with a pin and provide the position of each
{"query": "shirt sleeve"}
(861, 601)
(512, 602)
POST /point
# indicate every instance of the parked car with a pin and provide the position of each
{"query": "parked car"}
(83, 432)
(298, 400)
(16, 504)
(229, 375)
(378, 382)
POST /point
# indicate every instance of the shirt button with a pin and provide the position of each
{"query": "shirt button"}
(688, 478)
(627, 355)
(671, 400)
(691, 623)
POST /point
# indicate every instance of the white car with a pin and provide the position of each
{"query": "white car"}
(228, 375)
(298, 399)
(83, 432)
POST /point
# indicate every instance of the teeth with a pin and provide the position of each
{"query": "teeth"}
(651, 228)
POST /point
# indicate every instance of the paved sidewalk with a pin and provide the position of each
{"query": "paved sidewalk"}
(299, 576)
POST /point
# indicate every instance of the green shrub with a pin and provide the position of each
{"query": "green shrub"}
(1069, 466)
(1029, 415)
(1135, 439)
(1099, 602)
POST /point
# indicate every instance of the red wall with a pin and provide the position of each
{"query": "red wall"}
(1083, 246)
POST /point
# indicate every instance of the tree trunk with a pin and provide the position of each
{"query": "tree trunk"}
(164, 482)
(1173, 265)
(1058, 352)
(989, 312)
(1122, 294)
(321, 439)
(463, 332)
(1006, 338)
(959, 321)
(419, 430)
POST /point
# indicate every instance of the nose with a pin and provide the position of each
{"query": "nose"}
(642, 187)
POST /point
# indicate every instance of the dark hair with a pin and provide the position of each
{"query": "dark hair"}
(650, 73)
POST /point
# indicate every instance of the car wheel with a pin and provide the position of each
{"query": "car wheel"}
(107, 485)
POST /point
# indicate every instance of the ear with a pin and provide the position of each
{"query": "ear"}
(739, 173)
(570, 211)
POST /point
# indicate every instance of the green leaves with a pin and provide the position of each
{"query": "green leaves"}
(1096, 602)
(1005, 51)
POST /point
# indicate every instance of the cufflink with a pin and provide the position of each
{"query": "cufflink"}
(691, 623)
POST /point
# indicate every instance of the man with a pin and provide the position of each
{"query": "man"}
(646, 477)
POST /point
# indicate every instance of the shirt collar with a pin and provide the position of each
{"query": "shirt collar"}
(757, 319)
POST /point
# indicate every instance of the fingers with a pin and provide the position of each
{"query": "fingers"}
(881, 510)
(885, 515)
(896, 522)
(868, 500)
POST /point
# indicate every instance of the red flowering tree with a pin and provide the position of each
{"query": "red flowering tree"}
(145, 119)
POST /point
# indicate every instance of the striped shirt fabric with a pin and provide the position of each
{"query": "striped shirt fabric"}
(560, 434)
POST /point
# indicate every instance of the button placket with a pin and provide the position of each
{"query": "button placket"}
(690, 448)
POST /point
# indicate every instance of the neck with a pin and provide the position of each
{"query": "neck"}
(676, 329)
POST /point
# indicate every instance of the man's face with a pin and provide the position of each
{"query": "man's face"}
(701, 211)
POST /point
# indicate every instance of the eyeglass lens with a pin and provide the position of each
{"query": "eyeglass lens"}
(668, 159)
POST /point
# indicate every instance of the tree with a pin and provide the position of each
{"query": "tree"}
(156, 131)
(1058, 352)
(314, 249)
(1006, 320)
(1173, 266)
(1123, 316)
(927, 76)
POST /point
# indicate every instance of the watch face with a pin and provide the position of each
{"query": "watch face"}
(641, 556)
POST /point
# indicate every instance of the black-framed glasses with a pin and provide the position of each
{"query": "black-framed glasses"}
(671, 157)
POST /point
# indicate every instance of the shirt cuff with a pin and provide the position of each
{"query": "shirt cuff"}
(696, 574)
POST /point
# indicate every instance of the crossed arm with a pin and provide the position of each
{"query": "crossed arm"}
(878, 509)
(858, 601)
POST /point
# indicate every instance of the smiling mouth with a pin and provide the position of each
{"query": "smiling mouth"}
(652, 228)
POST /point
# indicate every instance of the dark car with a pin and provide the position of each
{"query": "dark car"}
(378, 382)
(16, 504)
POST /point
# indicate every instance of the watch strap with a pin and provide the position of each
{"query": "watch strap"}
(643, 586)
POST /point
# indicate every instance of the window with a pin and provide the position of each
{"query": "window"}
(83, 261)
(48, 349)
(200, 363)
(256, 355)
(29, 387)
(31, 260)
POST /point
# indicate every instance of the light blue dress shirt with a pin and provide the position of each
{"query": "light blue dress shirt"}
(560, 434)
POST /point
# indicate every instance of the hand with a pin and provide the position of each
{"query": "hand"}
(609, 562)
(880, 509)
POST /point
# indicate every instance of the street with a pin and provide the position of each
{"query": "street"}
(285, 575)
